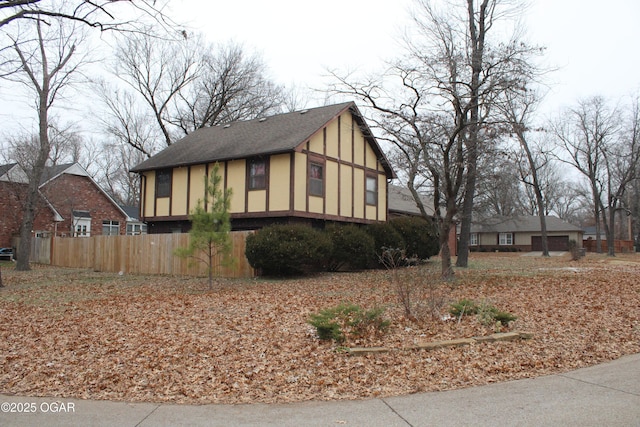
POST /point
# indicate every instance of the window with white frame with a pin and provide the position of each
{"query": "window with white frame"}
(110, 228)
(473, 239)
(136, 229)
(81, 224)
(372, 190)
(506, 239)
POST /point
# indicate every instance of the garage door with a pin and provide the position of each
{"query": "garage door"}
(555, 243)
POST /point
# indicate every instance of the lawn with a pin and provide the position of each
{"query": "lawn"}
(78, 333)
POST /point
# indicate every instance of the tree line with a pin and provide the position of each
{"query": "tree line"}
(457, 109)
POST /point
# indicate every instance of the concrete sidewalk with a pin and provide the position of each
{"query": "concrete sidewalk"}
(607, 394)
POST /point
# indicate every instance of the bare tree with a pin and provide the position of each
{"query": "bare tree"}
(518, 111)
(583, 134)
(621, 161)
(126, 122)
(157, 70)
(436, 105)
(499, 190)
(566, 200)
(113, 165)
(46, 62)
(231, 86)
(174, 87)
(99, 14)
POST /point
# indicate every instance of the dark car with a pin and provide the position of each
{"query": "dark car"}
(6, 254)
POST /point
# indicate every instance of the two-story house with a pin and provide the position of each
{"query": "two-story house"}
(315, 165)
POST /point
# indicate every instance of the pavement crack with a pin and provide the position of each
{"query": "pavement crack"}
(599, 385)
(148, 415)
(397, 414)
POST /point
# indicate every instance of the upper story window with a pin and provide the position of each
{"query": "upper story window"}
(110, 228)
(163, 183)
(506, 239)
(316, 179)
(257, 174)
(372, 190)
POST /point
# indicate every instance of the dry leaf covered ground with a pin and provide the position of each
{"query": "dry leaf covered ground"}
(76, 333)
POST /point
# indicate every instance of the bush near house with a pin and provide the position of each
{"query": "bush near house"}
(385, 236)
(419, 235)
(353, 247)
(288, 250)
(294, 249)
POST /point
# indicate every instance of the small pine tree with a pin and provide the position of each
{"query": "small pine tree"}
(210, 226)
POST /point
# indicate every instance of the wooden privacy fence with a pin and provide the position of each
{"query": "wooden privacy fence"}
(619, 246)
(145, 254)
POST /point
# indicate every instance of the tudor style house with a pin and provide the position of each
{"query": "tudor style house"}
(315, 165)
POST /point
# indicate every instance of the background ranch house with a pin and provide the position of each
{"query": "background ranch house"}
(72, 204)
(315, 165)
(522, 234)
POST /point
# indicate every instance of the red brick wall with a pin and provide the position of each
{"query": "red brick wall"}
(10, 211)
(68, 193)
(12, 196)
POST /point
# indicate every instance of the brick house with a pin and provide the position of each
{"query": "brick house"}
(72, 204)
(12, 194)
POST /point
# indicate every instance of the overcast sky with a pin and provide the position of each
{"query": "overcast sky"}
(593, 42)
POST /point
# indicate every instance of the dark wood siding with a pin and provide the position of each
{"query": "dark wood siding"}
(555, 243)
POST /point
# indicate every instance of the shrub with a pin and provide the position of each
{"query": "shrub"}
(489, 315)
(333, 323)
(384, 237)
(285, 250)
(419, 235)
(463, 307)
(352, 247)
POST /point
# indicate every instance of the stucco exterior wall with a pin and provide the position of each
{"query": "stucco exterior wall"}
(340, 148)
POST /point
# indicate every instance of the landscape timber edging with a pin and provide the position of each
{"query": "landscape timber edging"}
(504, 336)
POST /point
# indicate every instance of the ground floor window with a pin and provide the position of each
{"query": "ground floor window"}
(473, 239)
(110, 228)
(135, 229)
(506, 239)
(81, 224)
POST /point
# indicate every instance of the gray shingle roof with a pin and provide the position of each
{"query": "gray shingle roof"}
(6, 168)
(401, 201)
(53, 171)
(269, 135)
(522, 224)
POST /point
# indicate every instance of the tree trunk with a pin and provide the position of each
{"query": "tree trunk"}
(445, 251)
(35, 175)
(477, 33)
(610, 230)
(467, 214)
(596, 215)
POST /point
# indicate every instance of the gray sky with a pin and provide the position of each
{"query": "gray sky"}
(592, 46)
(590, 41)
